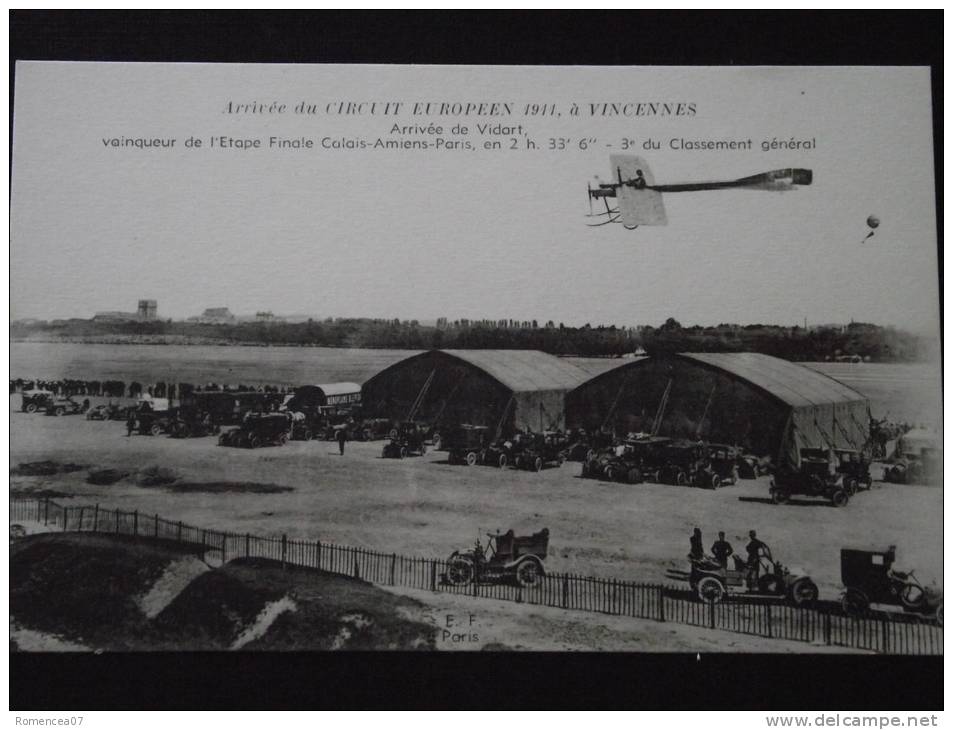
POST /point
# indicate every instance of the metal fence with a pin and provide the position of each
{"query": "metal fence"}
(877, 631)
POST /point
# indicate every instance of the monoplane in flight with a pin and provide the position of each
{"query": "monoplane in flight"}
(639, 199)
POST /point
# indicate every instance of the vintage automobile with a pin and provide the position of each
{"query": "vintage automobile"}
(751, 466)
(541, 450)
(916, 459)
(636, 459)
(35, 400)
(67, 406)
(681, 460)
(584, 445)
(259, 429)
(107, 412)
(814, 478)
(506, 558)
(466, 444)
(155, 423)
(711, 581)
(408, 439)
(720, 466)
(594, 467)
(868, 577)
(855, 466)
(188, 423)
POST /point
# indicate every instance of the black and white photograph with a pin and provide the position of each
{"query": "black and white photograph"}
(474, 358)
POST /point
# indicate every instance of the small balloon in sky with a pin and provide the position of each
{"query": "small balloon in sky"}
(872, 222)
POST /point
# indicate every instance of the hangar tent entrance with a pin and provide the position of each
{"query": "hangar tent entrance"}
(767, 405)
(500, 389)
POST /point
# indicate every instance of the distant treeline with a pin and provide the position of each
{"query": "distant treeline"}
(867, 341)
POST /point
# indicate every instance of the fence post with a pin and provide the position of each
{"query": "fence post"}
(117, 521)
(46, 512)
(711, 613)
(65, 517)
(565, 591)
(178, 532)
(661, 603)
(318, 566)
(96, 517)
(79, 527)
(284, 550)
(827, 628)
(357, 567)
(224, 546)
(157, 525)
(393, 567)
(135, 523)
(247, 545)
(767, 617)
(433, 575)
(884, 637)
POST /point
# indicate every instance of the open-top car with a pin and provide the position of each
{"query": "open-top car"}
(868, 577)
(35, 400)
(636, 459)
(505, 558)
(711, 581)
(107, 412)
(67, 406)
(189, 423)
(259, 429)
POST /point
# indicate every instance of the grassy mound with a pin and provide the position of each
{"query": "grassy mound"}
(44, 468)
(106, 476)
(84, 587)
(155, 476)
(88, 588)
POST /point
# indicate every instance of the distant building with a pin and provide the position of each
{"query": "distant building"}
(116, 317)
(215, 315)
(147, 310)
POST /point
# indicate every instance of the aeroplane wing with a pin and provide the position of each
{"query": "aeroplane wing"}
(638, 206)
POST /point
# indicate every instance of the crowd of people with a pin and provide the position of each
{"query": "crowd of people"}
(134, 389)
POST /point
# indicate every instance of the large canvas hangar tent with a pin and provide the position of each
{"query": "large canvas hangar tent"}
(767, 405)
(511, 389)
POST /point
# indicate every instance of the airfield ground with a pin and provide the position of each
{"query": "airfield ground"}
(426, 507)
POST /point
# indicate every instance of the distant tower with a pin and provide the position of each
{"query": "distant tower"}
(147, 310)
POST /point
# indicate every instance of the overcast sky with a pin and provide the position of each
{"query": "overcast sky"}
(499, 234)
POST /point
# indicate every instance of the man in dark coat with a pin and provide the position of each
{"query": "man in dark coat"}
(755, 549)
(697, 552)
(342, 438)
(722, 550)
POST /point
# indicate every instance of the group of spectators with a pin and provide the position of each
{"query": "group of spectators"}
(121, 389)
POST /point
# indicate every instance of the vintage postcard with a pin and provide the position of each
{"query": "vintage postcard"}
(455, 358)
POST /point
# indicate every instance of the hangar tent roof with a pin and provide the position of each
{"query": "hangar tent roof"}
(794, 384)
(524, 370)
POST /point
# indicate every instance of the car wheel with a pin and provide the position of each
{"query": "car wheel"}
(854, 602)
(680, 478)
(403, 452)
(59, 412)
(803, 592)
(715, 481)
(155, 429)
(839, 498)
(30, 408)
(471, 458)
(538, 464)
(254, 442)
(609, 473)
(939, 614)
(393, 433)
(710, 590)
(528, 573)
(423, 449)
(501, 461)
(460, 571)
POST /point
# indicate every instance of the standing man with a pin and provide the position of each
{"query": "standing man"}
(755, 549)
(342, 438)
(697, 552)
(130, 424)
(722, 550)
